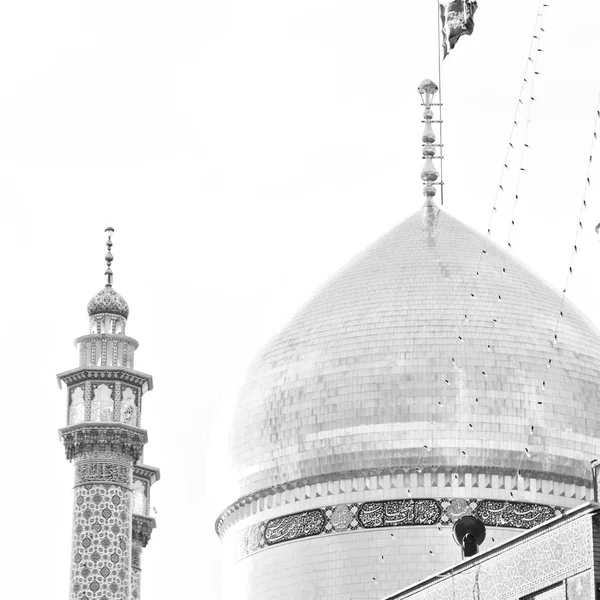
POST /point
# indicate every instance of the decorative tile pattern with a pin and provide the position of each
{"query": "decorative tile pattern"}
(251, 540)
(341, 517)
(82, 374)
(391, 513)
(136, 577)
(136, 555)
(87, 398)
(456, 508)
(518, 571)
(100, 568)
(118, 401)
(109, 301)
(136, 569)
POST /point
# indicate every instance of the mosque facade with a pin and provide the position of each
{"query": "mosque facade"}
(434, 377)
(104, 439)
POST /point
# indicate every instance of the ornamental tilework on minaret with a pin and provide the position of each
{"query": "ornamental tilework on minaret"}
(104, 438)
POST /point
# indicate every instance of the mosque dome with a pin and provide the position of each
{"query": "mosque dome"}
(381, 370)
(108, 300)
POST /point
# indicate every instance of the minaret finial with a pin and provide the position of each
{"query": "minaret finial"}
(109, 257)
(427, 90)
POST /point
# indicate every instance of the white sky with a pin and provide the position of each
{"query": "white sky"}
(243, 152)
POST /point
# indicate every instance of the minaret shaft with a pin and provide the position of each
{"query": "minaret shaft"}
(101, 554)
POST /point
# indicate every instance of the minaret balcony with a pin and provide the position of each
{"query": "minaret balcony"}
(144, 477)
(103, 394)
(106, 350)
(103, 437)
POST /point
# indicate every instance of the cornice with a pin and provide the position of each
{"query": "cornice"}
(107, 336)
(146, 472)
(353, 481)
(81, 374)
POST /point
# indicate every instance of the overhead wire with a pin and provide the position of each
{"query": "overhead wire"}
(537, 50)
(575, 250)
(528, 81)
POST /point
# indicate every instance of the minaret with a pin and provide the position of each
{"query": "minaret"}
(111, 520)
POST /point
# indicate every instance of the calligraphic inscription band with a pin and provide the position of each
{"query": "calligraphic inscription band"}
(399, 512)
(519, 514)
(293, 527)
(391, 513)
(102, 472)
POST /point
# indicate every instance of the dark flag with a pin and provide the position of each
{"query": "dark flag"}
(457, 20)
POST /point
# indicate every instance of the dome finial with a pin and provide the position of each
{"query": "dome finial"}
(109, 257)
(428, 89)
(108, 300)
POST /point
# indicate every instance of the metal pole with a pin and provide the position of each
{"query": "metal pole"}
(437, 16)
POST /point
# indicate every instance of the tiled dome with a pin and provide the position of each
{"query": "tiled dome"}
(107, 300)
(355, 381)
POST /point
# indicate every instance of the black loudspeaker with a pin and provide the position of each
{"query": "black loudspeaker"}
(469, 533)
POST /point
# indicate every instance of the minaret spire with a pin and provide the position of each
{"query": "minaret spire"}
(109, 257)
(428, 89)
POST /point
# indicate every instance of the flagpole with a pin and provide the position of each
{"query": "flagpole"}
(437, 20)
